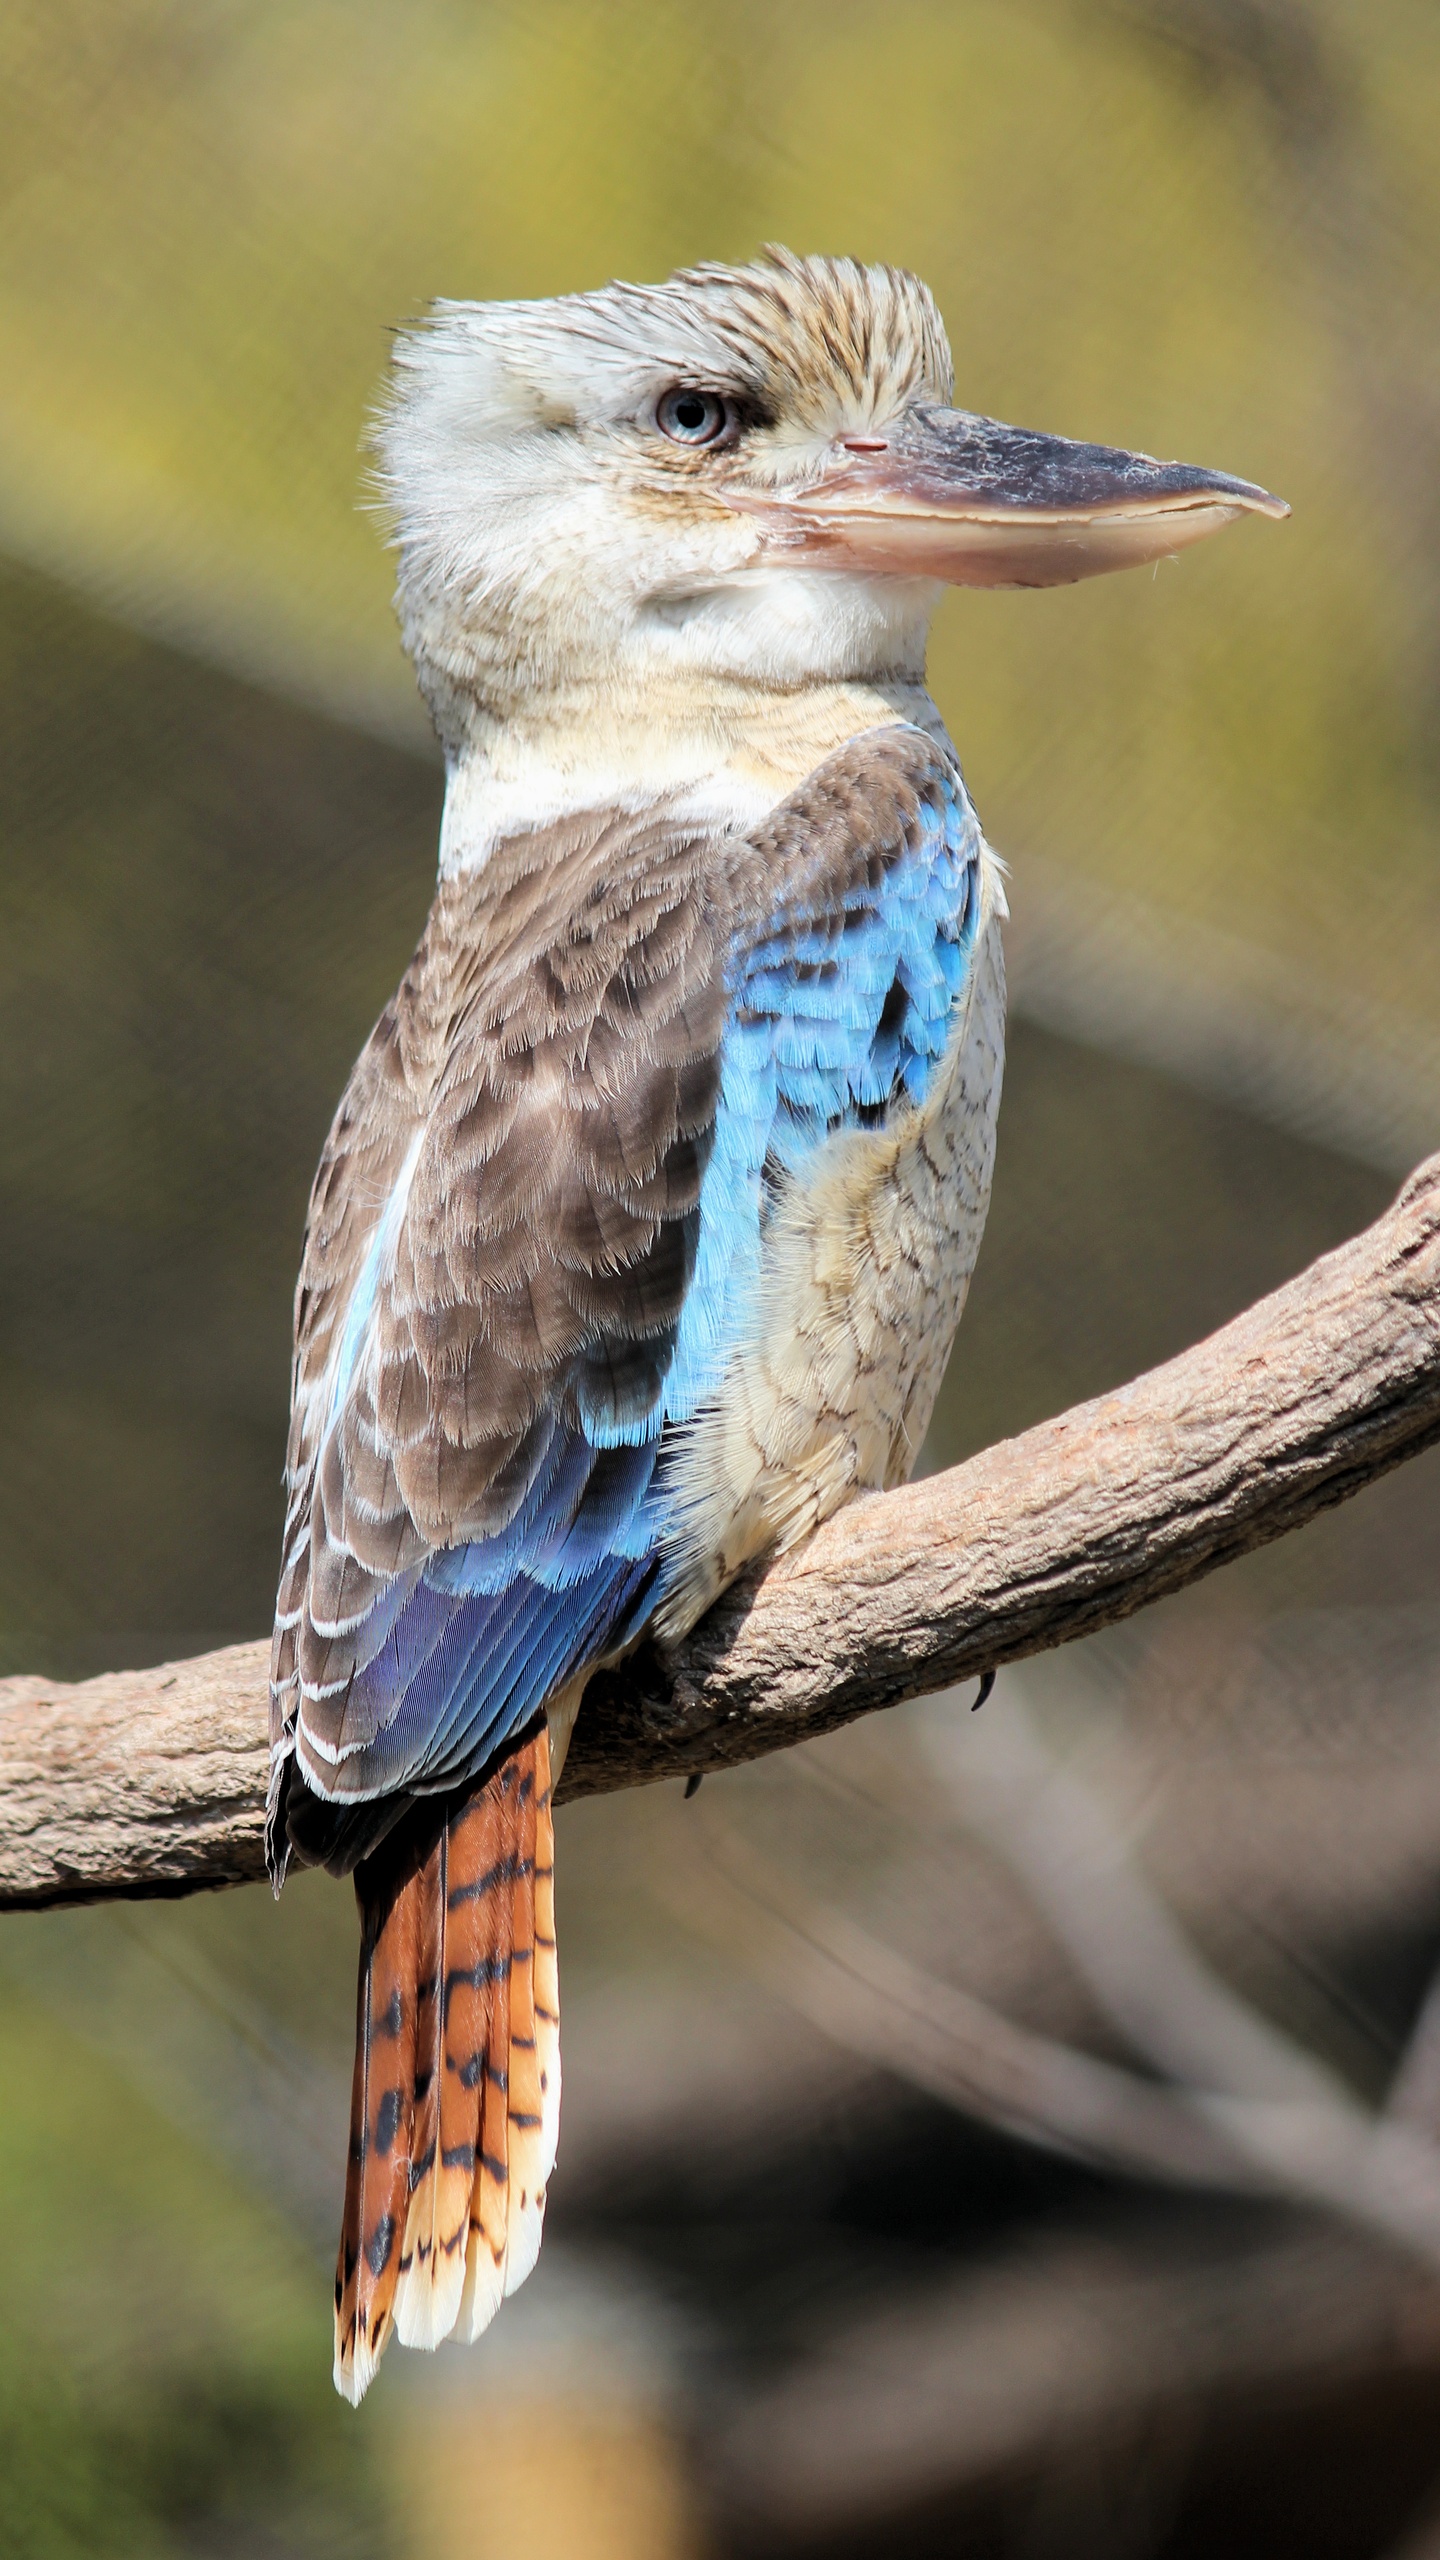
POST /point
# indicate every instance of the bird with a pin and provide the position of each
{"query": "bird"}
(647, 1217)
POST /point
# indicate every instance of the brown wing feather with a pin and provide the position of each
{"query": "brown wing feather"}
(562, 1156)
(553, 1055)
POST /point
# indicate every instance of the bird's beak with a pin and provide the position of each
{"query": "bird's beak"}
(977, 504)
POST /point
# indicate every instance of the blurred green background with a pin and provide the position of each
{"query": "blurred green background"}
(1201, 227)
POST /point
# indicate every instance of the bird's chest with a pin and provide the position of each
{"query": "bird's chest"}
(864, 1271)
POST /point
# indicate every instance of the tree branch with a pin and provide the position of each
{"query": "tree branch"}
(153, 1781)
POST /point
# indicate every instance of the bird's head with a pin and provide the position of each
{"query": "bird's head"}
(751, 473)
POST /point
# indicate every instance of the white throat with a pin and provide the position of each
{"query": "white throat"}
(713, 772)
(721, 735)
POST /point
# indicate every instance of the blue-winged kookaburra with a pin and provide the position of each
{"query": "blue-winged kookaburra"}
(647, 1217)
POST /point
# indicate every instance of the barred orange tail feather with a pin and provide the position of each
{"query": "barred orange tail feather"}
(455, 2111)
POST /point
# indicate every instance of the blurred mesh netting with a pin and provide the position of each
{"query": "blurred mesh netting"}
(1201, 227)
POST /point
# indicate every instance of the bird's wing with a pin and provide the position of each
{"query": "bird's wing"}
(537, 1226)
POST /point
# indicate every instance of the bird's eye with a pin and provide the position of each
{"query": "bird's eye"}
(693, 417)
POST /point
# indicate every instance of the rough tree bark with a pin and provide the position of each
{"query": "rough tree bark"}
(153, 1782)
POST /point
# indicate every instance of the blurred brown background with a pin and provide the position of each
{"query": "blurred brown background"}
(815, 2282)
